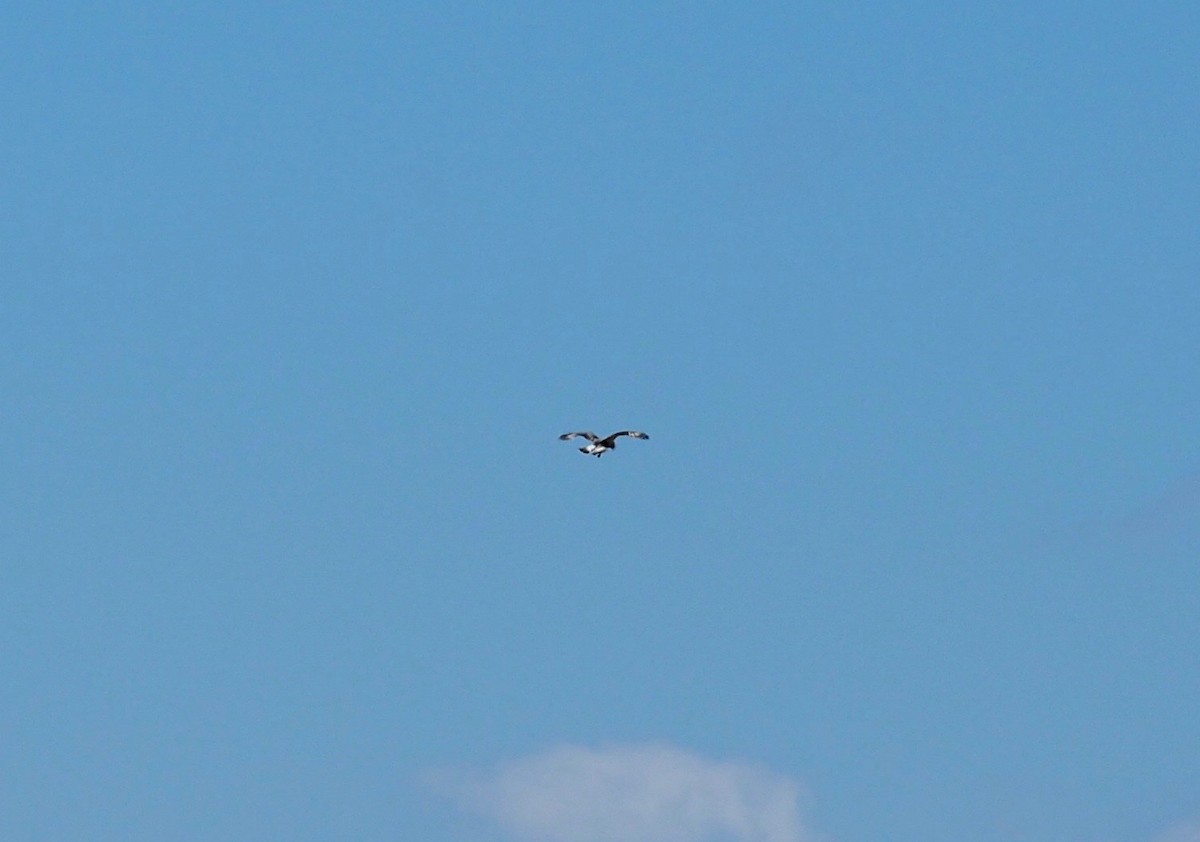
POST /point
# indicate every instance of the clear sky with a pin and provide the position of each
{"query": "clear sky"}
(296, 299)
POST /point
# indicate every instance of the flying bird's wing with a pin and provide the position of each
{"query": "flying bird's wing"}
(611, 441)
(588, 436)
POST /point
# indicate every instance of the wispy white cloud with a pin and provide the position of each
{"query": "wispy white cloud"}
(645, 793)
(635, 793)
(1182, 833)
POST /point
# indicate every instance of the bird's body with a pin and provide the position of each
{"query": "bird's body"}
(597, 446)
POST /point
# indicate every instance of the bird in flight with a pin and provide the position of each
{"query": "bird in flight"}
(597, 446)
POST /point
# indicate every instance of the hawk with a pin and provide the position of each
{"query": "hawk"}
(597, 446)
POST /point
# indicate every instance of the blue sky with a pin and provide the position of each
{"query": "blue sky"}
(298, 299)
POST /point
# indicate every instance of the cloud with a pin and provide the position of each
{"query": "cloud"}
(1182, 833)
(635, 793)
